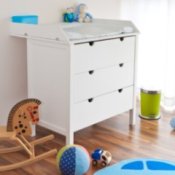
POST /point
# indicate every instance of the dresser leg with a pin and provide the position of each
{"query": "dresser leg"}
(132, 117)
(70, 138)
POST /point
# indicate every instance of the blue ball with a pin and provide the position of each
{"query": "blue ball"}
(172, 123)
(73, 160)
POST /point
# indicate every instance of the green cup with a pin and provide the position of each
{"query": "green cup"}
(150, 104)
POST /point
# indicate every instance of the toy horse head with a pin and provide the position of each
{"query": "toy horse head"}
(22, 115)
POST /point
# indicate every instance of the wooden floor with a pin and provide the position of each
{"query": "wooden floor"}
(153, 139)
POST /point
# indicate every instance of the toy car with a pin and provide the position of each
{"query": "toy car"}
(102, 156)
(140, 167)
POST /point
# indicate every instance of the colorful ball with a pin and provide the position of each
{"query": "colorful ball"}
(73, 160)
(172, 123)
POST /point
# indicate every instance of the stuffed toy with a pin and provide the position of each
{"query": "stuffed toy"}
(69, 15)
(81, 14)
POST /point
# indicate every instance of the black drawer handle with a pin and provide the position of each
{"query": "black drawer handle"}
(120, 90)
(121, 64)
(122, 39)
(91, 72)
(91, 43)
(90, 100)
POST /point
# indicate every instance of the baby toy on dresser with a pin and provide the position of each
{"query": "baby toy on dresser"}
(82, 15)
(69, 15)
(77, 14)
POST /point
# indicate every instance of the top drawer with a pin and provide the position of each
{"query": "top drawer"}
(94, 55)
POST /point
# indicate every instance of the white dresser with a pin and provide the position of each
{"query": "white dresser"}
(83, 73)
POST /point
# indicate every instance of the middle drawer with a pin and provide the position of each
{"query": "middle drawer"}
(96, 82)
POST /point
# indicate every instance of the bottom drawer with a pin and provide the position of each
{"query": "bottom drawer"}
(100, 108)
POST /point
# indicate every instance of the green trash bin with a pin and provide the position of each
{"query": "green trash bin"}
(150, 104)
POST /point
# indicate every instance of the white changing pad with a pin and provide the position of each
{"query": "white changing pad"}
(98, 28)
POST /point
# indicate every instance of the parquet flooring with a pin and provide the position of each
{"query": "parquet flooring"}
(153, 139)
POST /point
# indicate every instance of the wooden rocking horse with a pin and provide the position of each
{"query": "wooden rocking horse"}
(20, 118)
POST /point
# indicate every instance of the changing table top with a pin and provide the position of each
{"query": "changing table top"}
(99, 29)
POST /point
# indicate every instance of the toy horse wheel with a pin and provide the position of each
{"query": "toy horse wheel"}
(103, 164)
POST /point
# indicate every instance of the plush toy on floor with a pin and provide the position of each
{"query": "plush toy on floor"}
(172, 123)
(73, 160)
(82, 15)
(139, 167)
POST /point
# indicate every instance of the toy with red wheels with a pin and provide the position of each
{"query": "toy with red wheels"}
(101, 156)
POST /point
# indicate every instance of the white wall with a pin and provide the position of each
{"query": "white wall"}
(104, 8)
(13, 83)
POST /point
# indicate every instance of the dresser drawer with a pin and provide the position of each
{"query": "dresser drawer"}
(96, 82)
(101, 54)
(100, 108)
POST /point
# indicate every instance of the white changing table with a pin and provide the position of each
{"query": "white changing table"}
(83, 73)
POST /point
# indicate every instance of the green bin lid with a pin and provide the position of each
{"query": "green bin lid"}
(150, 91)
